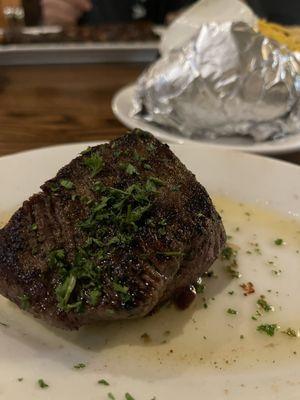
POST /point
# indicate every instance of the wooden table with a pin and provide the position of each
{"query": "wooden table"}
(47, 105)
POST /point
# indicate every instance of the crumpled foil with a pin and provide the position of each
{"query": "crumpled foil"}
(228, 80)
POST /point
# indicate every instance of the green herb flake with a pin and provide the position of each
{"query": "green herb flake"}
(117, 153)
(268, 329)
(24, 302)
(228, 253)
(128, 396)
(231, 292)
(111, 396)
(94, 296)
(261, 302)
(291, 332)
(242, 337)
(153, 183)
(176, 188)
(257, 315)
(79, 366)
(120, 288)
(103, 382)
(20, 379)
(199, 287)
(94, 163)
(130, 169)
(64, 291)
(42, 384)
(276, 272)
(4, 324)
(137, 156)
(231, 311)
(33, 227)
(87, 150)
(54, 187)
(279, 242)
(151, 147)
(147, 166)
(67, 184)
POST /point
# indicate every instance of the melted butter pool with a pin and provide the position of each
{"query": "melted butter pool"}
(204, 338)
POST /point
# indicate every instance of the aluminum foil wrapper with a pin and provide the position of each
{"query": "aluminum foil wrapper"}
(228, 80)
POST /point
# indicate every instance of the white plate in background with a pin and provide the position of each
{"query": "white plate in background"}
(122, 108)
(195, 354)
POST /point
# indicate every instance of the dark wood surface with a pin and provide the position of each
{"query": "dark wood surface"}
(47, 105)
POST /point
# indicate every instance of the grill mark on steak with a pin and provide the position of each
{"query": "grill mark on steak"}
(175, 239)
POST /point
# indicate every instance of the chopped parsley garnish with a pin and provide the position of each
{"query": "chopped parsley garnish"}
(257, 315)
(67, 184)
(87, 150)
(117, 153)
(230, 254)
(264, 304)
(291, 332)
(94, 296)
(147, 166)
(276, 271)
(231, 292)
(137, 156)
(113, 221)
(279, 242)
(4, 324)
(128, 396)
(94, 163)
(162, 227)
(111, 396)
(24, 302)
(268, 329)
(175, 188)
(200, 287)
(79, 366)
(33, 227)
(151, 147)
(54, 187)
(153, 183)
(130, 169)
(20, 379)
(231, 311)
(42, 384)
(120, 288)
(103, 382)
(64, 291)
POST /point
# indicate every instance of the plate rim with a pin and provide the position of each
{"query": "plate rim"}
(162, 134)
(222, 149)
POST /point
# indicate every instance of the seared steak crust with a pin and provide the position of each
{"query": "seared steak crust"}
(131, 218)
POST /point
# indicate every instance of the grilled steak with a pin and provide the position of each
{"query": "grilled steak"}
(120, 230)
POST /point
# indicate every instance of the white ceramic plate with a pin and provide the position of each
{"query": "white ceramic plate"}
(195, 354)
(122, 108)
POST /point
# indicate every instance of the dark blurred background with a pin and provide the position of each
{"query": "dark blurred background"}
(286, 12)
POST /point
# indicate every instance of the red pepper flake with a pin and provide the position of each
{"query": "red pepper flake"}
(248, 288)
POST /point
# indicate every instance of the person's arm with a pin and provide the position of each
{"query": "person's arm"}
(63, 12)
